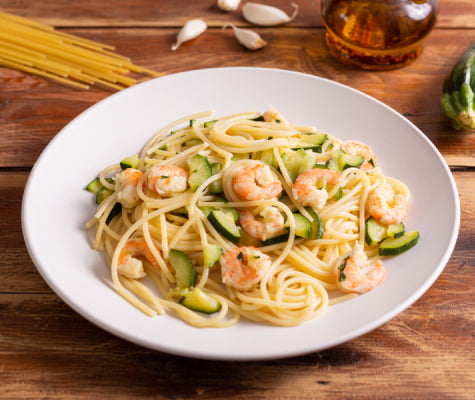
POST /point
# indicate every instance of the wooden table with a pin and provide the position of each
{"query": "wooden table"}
(49, 351)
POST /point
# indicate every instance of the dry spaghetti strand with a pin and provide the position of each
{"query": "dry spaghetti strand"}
(39, 49)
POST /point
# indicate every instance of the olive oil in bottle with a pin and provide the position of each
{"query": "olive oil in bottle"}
(377, 34)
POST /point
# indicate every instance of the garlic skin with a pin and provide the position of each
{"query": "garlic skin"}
(228, 5)
(247, 38)
(192, 29)
(264, 15)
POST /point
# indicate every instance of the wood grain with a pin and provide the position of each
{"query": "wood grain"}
(34, 109)
(128, 13)
(48, 351)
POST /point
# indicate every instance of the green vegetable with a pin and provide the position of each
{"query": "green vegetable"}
(297, 162)
(207, 124)
(396, 230)
(197, 300)
(313, 141)
(211, 254)
(225, 224)
(130, 162)
(216, 187)
(94, 186)
(102, 194)
(200, 170)
(192, 142)
(334, 162)
(317, 224)
(185, 272)
(303, 227)
(375, 231)
(458, 91)
(116, 210)
(394, 246)
(276, 239)
(348, 161)
(267, 156)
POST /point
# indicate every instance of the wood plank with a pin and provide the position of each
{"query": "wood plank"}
(34, 109)
(45, 346)
(90, 13)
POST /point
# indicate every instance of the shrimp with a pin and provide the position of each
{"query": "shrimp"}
(256, 182)
(243, 267)
(272, 224)
(129, 265)
(351, 276)
(273, 115)
(310, 187)
(126, 187)
(167, 180)
(356, 148)
(386, 206)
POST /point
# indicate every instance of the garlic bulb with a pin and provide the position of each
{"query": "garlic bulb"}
(247, 38)
(228, 5)
(264, 15)
(190, 30)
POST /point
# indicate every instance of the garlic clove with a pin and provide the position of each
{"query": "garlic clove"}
(192, 29)
(228, 5)
(264, 15)
(247, 38)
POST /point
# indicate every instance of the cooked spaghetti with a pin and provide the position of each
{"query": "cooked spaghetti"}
(40, 49)
(247, 216)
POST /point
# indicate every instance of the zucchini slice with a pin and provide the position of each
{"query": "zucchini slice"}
(303, 227)
(130, 162)
(338, 194)
(334, 162)
(394, 246)
(197, 300)
(313, 141)
(349, 161)
(102, 194)
(185, 272)
(216, 187)
(94, 186)
(317, 224)
(192, 142)
(396, 230)
(200, 170)
(225, 224)
(267, 156)
(297, 162)
(207, 124)
(211, 255)
(286, 200)
(375, 231)
(276, 239)
(116, 210)
(248, 240)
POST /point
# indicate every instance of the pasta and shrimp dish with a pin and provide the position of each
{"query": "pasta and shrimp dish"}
(247, 216)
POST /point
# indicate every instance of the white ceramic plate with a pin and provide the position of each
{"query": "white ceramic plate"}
(56, 206)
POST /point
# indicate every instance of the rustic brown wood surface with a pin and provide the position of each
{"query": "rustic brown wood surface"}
(48, 351)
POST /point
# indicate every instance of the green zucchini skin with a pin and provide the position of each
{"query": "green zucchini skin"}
(395, 246)
(375, 232)
(211, 255)
(130, 162)
(185, 272)
(197, 300)
(458, 91)
(225, 225)
(200, 170)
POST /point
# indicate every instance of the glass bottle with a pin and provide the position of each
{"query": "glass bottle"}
(377, 34)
